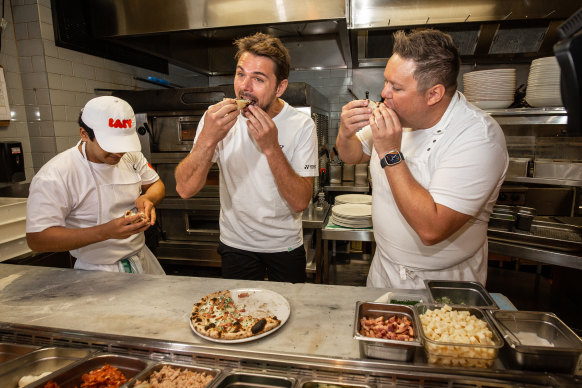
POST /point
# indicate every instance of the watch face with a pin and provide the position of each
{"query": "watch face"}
(393, 158)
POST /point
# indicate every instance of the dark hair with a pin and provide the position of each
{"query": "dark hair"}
(266, 46)
(435, 54)
(89, 131)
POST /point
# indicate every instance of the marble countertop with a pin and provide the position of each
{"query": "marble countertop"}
(158, 307)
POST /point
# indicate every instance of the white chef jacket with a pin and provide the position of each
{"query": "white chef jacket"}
(461, 161)
(253, 214)
(70, 191)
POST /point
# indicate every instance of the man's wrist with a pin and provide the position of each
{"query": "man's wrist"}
(391, 158)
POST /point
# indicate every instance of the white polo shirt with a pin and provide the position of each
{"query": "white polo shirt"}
(253, 214)
(461, 161)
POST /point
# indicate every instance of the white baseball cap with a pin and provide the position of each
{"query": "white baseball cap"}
(113, 122)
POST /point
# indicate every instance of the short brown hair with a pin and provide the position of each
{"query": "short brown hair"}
(435, 54)
(266, 46)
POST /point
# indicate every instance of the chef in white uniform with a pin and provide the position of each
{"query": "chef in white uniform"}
(437, 164)
(79, 199)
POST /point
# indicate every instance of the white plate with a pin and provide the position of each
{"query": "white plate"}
(353, 198)
(260, 303)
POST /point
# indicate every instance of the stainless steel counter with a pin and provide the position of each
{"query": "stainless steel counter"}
(315, 218)
(148, 316)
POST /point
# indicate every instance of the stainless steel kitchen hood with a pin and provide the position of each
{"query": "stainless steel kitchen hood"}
(199, 34)
(486, 31)
(320, 34)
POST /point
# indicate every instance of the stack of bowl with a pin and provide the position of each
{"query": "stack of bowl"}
(543, 83)
(490, 89)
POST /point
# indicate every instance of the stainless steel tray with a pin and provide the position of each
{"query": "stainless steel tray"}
(311, 383)
(459, 293)
(38, 362)
(244, 380)
(562, 357)
(144, 375)
(11, 351)
(544, 234)
(71, 376)
(386, 349)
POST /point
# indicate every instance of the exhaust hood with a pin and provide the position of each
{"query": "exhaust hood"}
(319, 34)
(199, 34)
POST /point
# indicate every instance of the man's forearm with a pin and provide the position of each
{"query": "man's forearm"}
(296, 190)
(61, 239)
(350, 149)
(156, 192)
(191, 173)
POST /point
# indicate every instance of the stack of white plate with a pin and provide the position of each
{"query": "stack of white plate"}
(352, 215)
(543, 83)
(490, 89)
(353, 198)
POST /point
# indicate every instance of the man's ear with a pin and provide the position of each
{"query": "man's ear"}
(434, 94)
(84, 135)
(282, 87)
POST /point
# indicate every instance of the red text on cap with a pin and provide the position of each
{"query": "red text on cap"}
(120, 123)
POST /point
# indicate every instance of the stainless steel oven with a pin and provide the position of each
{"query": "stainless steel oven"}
(167, 121)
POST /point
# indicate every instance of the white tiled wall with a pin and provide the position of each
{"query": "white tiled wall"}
(48, 85)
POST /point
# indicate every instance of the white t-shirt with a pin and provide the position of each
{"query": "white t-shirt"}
(63, 193)
(461, 161)
(253, 214)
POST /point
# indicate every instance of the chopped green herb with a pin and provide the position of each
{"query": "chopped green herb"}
(405, 302)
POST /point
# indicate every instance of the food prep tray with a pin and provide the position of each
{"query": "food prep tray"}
(244, 380)
(457, 354)
(386, 349)
(459, 293)
(309, 383)
(529, 353)
(71, 376)
(11, 351)
(38, 362)
(145, 374)
(544, 234)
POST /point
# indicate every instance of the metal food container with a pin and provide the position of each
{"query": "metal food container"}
(525, 216)
(530, 352)
(71, 376)
(459, 354)
(329, 384)
(243, 379)
(386, 349)
(145, 375)
(459, 293)
(501, 221)
(38, 362)
(11, 351)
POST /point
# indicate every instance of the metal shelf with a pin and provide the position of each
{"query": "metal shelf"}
(524, 116)
(544, 181)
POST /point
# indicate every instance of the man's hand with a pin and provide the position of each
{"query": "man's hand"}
(145, 206)
(355, 115)
(219, 119)
(123, 227)
(386, 130)
(262, 128)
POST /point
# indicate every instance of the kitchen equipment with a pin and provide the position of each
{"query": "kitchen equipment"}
(39, 361)
(237, 379)
(454, 353)
(145, 375)
(335, 174)
(543, 234)
(528, 334)
(518, 167)
(13, 228)
(11, 162)
(361, 174)
(385, 348)
(558, 169)
(11, 351)
(460, 293)
(71, 376)
(169, 118)
(348, 171)
(525, 217)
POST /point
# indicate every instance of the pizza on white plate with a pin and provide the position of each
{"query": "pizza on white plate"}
(217, 316)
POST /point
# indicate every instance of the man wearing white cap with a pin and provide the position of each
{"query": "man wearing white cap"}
(79, 199)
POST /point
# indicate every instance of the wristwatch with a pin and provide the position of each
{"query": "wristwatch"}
(391, 158)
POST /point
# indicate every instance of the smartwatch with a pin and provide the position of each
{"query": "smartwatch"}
(391, 158)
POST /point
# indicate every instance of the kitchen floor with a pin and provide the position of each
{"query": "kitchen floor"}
(553, 289)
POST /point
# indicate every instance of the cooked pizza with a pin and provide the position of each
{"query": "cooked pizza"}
(217, 316)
